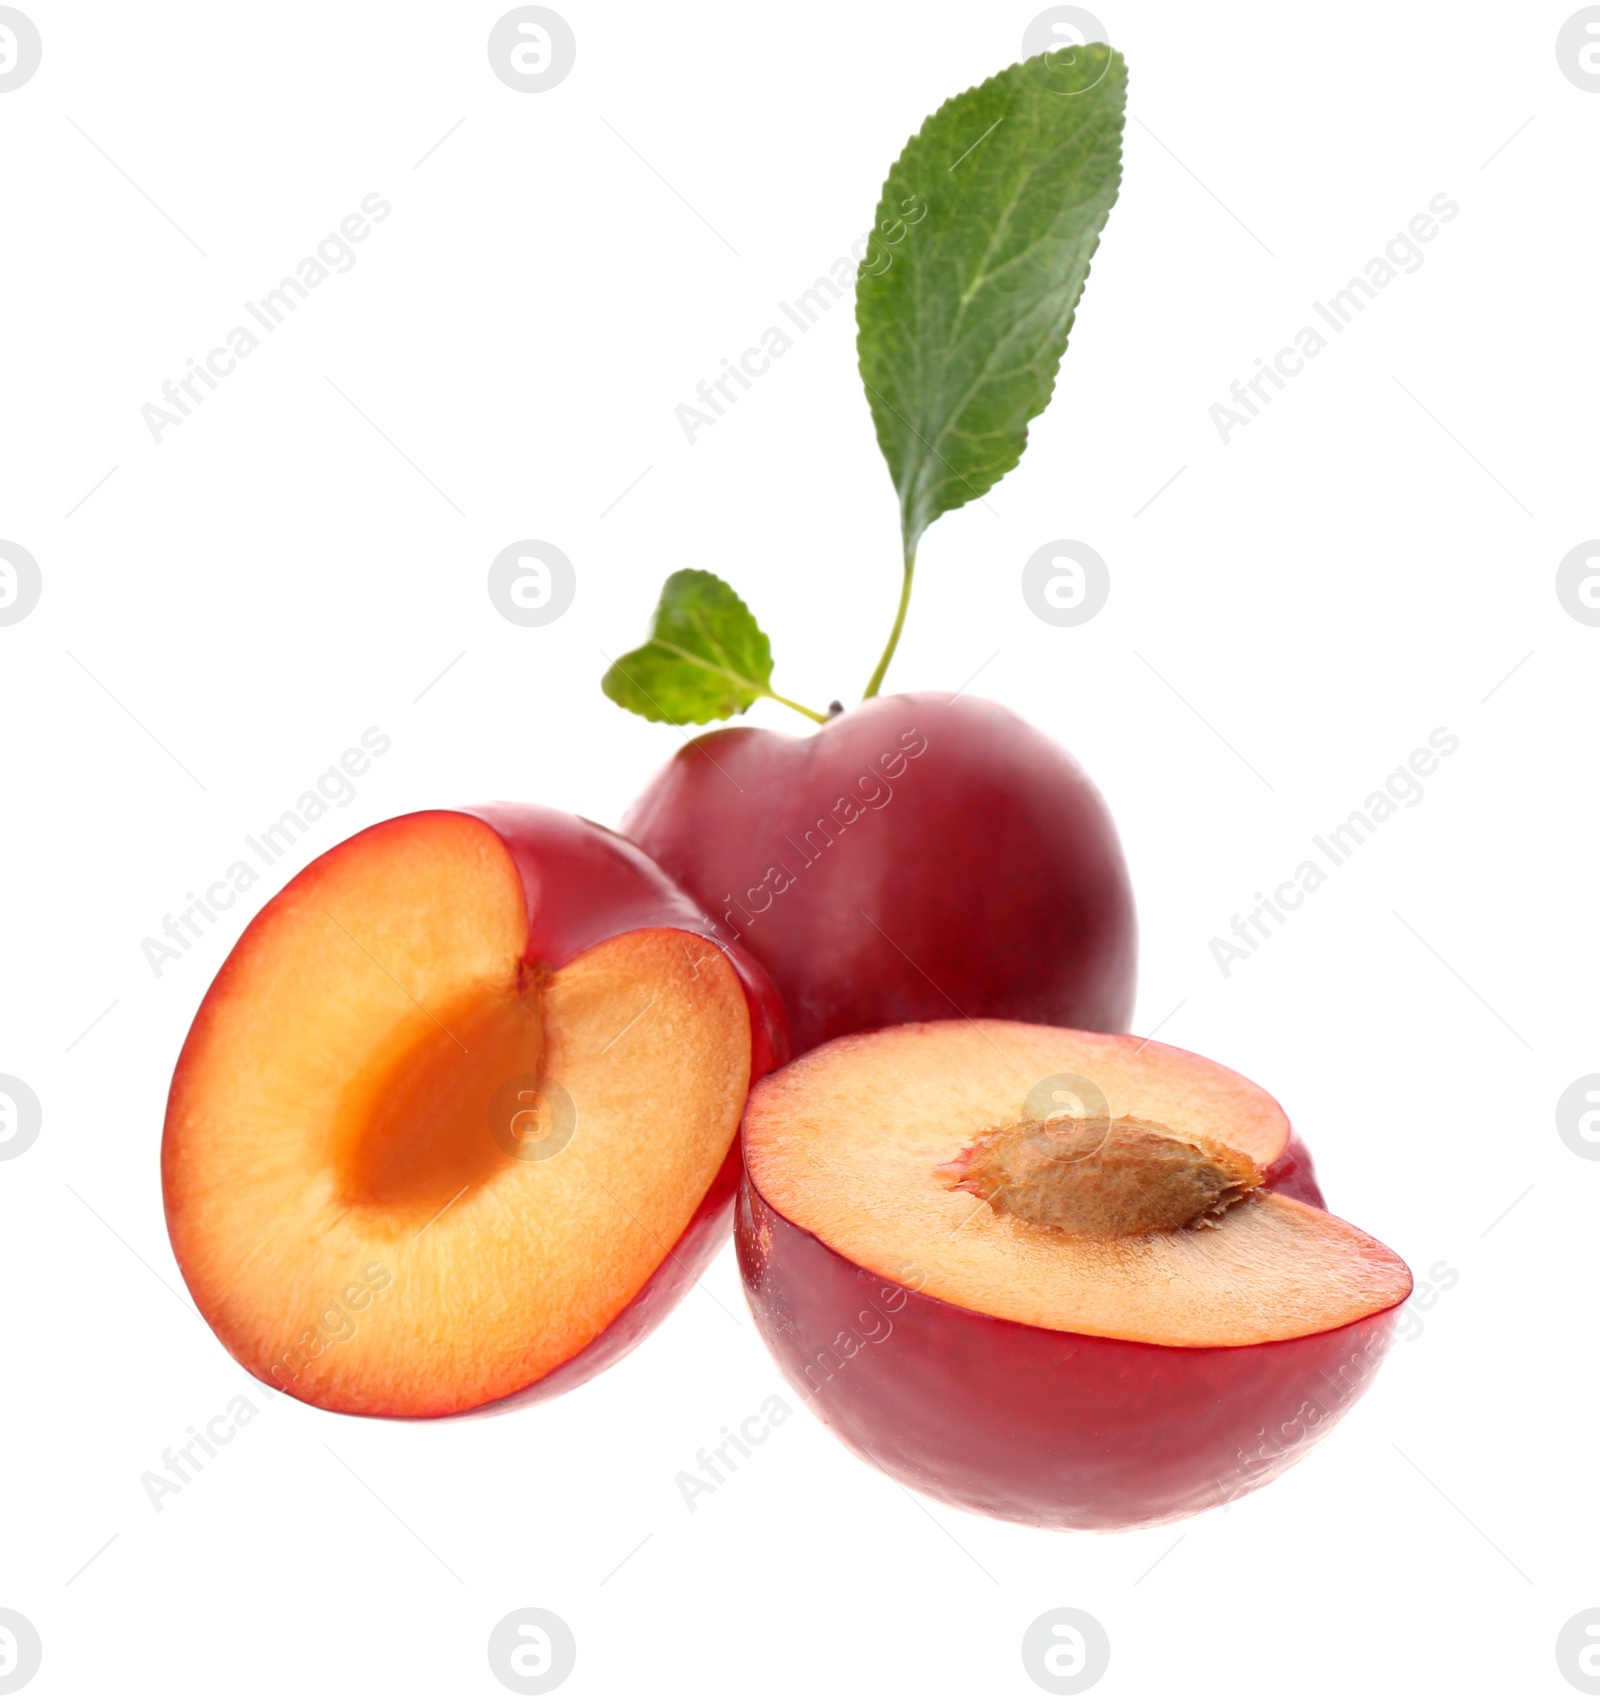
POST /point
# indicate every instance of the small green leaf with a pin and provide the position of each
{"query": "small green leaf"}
(706, 658)
(981, 246)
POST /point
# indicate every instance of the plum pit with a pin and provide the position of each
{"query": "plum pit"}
(1109, 1178)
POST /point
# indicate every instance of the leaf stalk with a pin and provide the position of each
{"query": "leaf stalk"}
(899, 624)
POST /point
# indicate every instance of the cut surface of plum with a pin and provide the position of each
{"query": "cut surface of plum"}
(1049, 1276)
(864, 1143)
(410, 1166)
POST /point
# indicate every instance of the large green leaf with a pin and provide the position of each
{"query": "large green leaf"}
(982, 243)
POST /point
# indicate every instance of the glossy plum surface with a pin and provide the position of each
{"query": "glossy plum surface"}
(914, 859)
(1046, 1428)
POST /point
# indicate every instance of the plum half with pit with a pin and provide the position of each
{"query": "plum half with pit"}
(1047, 1275)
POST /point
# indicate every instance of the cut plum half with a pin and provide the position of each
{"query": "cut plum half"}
(1047, 1275)
(455, 1121)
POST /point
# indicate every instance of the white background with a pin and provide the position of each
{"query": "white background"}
(1367, 562)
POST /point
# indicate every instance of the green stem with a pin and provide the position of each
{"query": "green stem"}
(790, 704)
(894, 636)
